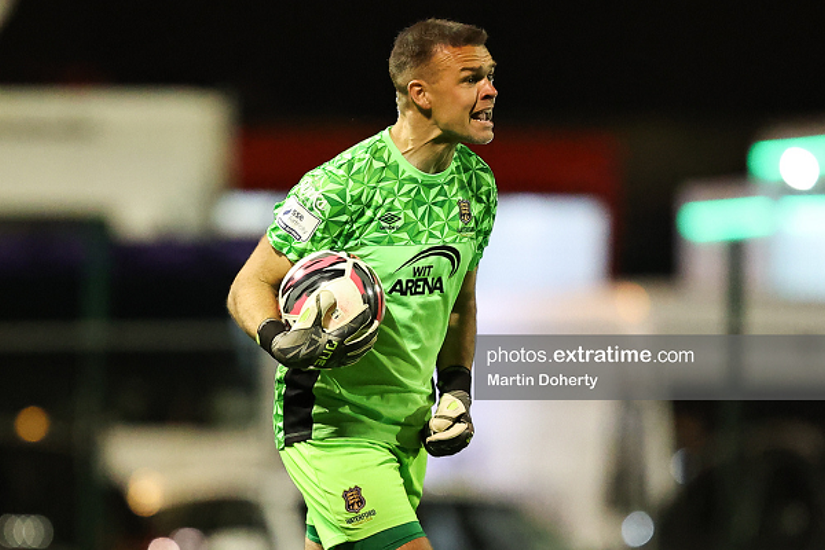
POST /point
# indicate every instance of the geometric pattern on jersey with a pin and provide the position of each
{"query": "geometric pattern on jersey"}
(366, 182)
(421, 233)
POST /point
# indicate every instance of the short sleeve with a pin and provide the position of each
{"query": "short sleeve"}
(487, 216)
(312, 217)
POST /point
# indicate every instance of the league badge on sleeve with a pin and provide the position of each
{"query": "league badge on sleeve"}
(297, 220)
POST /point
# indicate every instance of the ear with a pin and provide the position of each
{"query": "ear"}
(418, 92)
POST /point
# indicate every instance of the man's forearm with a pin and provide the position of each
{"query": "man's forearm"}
(459, 343)
(250, 302)
(253, 296)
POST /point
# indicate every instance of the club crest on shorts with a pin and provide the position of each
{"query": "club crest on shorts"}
(354, 501)
(465, 213)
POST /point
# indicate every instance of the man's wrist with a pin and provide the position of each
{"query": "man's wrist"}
(454, 378)
(267, 331)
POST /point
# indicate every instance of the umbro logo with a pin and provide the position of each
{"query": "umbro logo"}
(389, 221)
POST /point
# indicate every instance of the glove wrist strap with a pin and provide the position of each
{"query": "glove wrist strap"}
(454, 378)
(267, 331)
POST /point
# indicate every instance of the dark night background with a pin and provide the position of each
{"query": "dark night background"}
(684, 86)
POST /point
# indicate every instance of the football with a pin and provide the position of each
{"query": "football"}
(353, 283)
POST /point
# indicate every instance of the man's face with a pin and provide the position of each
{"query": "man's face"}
(462, 94)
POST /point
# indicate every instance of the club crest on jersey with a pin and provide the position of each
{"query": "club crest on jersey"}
(354, 501)
(465, 213)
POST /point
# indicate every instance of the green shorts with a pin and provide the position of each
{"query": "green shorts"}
(358, 490)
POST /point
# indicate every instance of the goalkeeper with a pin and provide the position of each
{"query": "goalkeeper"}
(418, 206)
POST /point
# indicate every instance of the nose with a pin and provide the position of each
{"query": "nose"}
(489, 90)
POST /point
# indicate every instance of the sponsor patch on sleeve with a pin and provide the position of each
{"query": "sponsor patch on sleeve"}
(296, 220)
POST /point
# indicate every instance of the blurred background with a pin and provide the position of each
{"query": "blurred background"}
(143, 145)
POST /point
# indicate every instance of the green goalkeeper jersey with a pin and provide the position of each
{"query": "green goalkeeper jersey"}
(421, 233)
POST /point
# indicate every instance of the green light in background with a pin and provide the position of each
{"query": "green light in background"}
(726, 219)
(801, 155)
(802, 215)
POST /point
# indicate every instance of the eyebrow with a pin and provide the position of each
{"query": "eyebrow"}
(477, 68)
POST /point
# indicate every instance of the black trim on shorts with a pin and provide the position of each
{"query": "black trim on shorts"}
(299, 400)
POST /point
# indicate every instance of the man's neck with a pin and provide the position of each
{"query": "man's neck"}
(421, 146)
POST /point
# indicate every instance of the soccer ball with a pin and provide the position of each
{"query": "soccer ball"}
(353, 283)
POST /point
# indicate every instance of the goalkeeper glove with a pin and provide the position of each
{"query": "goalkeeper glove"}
(451, 428)
(308, 345)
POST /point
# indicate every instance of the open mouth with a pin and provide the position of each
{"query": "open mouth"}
(485, 115)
